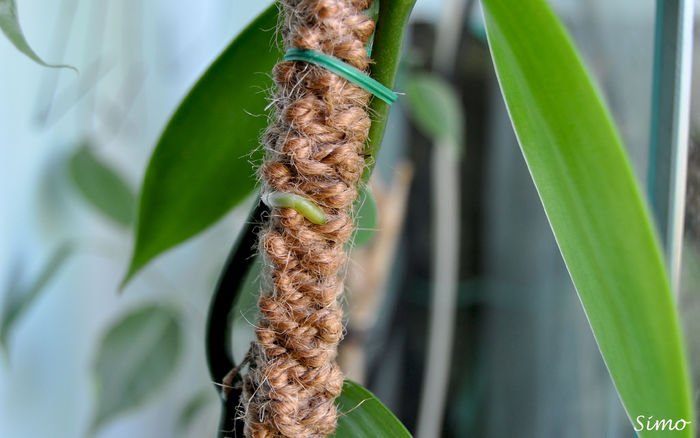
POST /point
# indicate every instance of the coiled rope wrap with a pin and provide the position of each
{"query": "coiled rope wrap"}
(314, 148)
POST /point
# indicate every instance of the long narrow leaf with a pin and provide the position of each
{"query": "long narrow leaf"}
(593, 203)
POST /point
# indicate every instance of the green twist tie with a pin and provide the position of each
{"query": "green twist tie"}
(342, 69)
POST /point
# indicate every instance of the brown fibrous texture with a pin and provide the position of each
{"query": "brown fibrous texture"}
(314, 148)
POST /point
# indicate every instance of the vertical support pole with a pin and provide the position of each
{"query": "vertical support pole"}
(670, 113)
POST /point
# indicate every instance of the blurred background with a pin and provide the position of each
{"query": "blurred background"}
(523, 360)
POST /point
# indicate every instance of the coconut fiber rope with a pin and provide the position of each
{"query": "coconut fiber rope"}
(315, 149)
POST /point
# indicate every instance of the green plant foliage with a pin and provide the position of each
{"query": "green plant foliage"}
(435, 108)
(193, 407)
(362, 415)
(593, 203)
(201, 167)
(137, 355)
(366, 217)
(102, 187)
(9, 23)
(19, 300)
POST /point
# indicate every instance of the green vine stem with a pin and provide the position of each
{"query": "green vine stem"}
(240, 259)
(218, 332)
(386, 51)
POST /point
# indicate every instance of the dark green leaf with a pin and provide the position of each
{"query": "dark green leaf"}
(362, 415)
(595, 208)
(366, 217)
(193, 407)
(435, 108)
(102, 187)
(137, 356)
(201, 166)
(9, 23)
(18, 300)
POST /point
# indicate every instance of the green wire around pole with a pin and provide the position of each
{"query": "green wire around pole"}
(342, 69)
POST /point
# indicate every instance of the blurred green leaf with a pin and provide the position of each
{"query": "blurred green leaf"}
(18, 300)
(201, 166)
(366, 217)
(137, 355)
(595, 208)
(102, 187)
(9, 23)
(435, 107)
(193, 407)
(362, 415)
